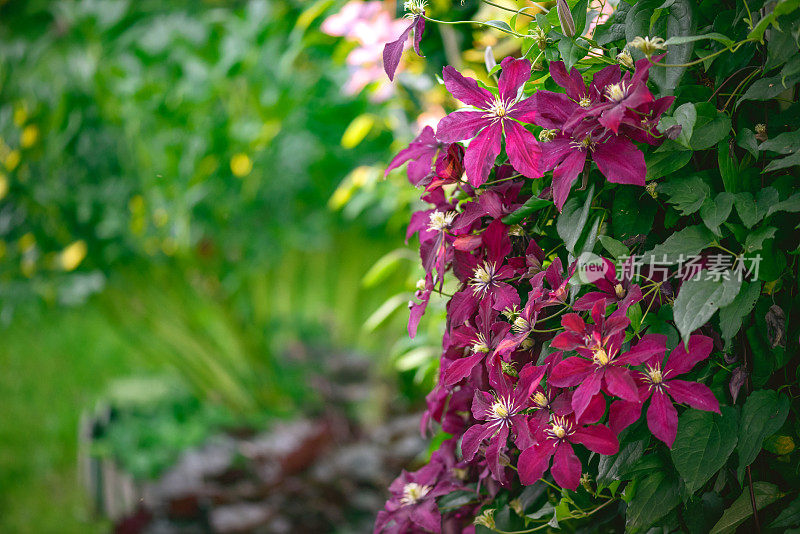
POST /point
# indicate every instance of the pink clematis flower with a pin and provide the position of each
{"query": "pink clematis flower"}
(602, 366)
(659, 385)
(555, 441)
(392, 52)
(504, 413)
(612, 290)
(481, 341)
(419, 154)
(497, 115)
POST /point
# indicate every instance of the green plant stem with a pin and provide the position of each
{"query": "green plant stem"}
(517, 11)
(732, 49)
(477, 23)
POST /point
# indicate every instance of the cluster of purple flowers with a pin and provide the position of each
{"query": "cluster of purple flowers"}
(517, 396)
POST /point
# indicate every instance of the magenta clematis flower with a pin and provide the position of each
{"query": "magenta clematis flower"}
(629, 93)
(496, 116)
(481, 341)
(659, 385)
(412, 506)
(574, 116)
(523, 324)
(601, 365)
(392, 52)
(419, 154)
(612, 290)
(487, 278)
(504, 413)
(555, 442)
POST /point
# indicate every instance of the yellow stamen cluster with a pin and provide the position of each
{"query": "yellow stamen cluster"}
(647, 45)
(482, 278)
(415, 7)
(616, 92)
(585, 102)
(438, 221)
(600, 357)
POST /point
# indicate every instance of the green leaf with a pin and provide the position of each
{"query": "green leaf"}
(763, 414)
(572, 51)
(663, 163)
(747, 140)
(768, 88)
(699, 299)
(655, 496)
(781, 8)
(686, 116)
(728, 167)
(500, 25)
(751, 211)
(613, 467)
(385, 265)
(788, 161)
(686, 194)
(715, 212)
(705, 441)
(678, 23)
(687, 242)
(573, 219)
(741, 509)
(791, 204)
(755, 240)
(579, 11)
(710, 128)
(633, 212)
(785, 143)
(531, 206)
(726, 41)
(730, 316)
(616, 248)
(789, 516)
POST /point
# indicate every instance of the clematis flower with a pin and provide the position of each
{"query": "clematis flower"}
(503, 413)
(496, 116)
(580, 134)
(660, 385)
(612, 290)
(419, 154)
(555, 442)
(629, 93)
(487, 278)
(601, 364)
(394, 50)
(523, 324)
(412, 506)
(482, 341)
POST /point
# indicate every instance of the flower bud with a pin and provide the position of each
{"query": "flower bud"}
(624, 58)
(540, 37)
(565, 18)
(761, 132)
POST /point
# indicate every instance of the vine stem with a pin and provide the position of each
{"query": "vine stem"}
(517, 11)
(477, 23)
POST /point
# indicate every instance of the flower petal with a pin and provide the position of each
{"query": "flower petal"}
(620, 161)
(597, 438)
(534, 461)
(566, 468)
(585, 391)
(473, 438)
(662, 418)
(623, 414)
(619, 383)
(570, 372)
(460, 125)
(525, 110)
(496, 445)
(573, 82)
(392, 52)
(513, 76)
(681, 361)
(694, 394)
(648, 346)
(482, 153)
(565, 175)
(461, 368)
(553, 110)
(465, 89)
(523, 149)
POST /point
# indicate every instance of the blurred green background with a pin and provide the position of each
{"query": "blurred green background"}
(178, 198)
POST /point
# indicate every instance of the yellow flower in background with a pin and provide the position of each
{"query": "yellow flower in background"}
(12, 159)
(241, 165)
(29, 136)
(3, 186)
(26, 242)
(20, 115)
(73, 255)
